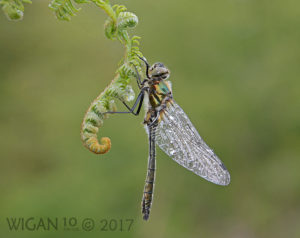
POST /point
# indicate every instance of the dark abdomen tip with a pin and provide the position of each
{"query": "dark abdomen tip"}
(146, 216)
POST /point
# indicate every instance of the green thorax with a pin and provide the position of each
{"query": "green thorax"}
(158, 92)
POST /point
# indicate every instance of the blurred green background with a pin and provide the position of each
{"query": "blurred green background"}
(235, 71)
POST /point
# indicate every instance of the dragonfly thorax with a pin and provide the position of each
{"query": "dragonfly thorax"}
(158, 91)
(158, 72)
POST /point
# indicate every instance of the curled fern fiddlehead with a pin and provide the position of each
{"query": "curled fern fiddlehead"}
(115, 27)
(14, 9)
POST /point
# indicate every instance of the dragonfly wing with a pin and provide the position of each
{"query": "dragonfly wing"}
(179, 139)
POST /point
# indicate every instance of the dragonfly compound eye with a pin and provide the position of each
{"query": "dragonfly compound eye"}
(158, 71)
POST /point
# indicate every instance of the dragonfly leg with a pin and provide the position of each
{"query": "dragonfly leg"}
(160, 111)
(131, 110)
(138, 78)
(155, 120)
(147, 65)
(140, 105)
(139, 101)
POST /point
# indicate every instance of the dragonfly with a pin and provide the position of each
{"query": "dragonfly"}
(169, 127)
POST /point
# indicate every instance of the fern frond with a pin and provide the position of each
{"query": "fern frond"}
(115, 27)
(127, 19)
(64, 9)
(13, 9)
(119, 9)
(110, 29)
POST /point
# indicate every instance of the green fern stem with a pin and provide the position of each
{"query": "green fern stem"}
(107, 8)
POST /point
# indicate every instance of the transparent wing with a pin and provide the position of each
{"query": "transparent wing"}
(179, 139)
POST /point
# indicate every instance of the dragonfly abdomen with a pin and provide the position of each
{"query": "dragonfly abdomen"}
(148, 193)
(149, 184)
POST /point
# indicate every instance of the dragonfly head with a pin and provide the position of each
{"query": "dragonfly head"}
(158, 72)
